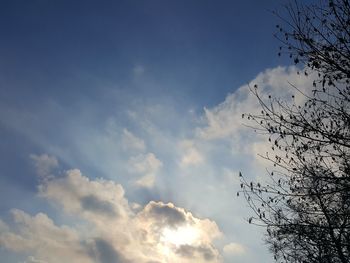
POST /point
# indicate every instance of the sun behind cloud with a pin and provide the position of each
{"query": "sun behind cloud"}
(172, 239)
(110, 230)
(186, 235)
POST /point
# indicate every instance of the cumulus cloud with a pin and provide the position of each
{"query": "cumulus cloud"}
(180, 236)
(146, 165)
(167, 214)
(39, 235)
(104, 227)
(107, 228)
(94, 200)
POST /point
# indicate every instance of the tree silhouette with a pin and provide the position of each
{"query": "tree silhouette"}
(305, 206)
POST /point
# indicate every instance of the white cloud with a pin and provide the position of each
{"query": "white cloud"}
(224, 120)
(44, 164)
(146, 165)
(105, 221)
(39, 235)
(130, 141)
(3, 227)
(107, 229)
(31, 259)
(147, 181)
(191, 157)
(234, 249)
(190, 154)
(94, 200)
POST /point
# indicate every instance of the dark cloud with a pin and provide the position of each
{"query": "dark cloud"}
(131, 237)
(207, 252)
(167, 214)
(104, 252)
(189, 251)
(94, 204)
(186, 251)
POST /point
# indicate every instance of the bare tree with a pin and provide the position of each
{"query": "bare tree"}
(318, 35)
(306, 205)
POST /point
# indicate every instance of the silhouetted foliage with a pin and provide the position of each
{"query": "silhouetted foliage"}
(306, 203)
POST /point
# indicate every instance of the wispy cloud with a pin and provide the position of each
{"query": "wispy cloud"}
(44, 164)
(225, 122)
(131, 142)
(146, 165)
(234, 249)
(190, 154)
(150, 152)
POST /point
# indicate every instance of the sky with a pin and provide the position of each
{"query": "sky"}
(121, 128)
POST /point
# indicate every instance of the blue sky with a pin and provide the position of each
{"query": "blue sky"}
(127, 113)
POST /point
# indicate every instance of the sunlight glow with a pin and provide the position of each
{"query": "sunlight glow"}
(181, 236)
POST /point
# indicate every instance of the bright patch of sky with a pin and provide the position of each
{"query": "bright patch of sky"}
(123, 118)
